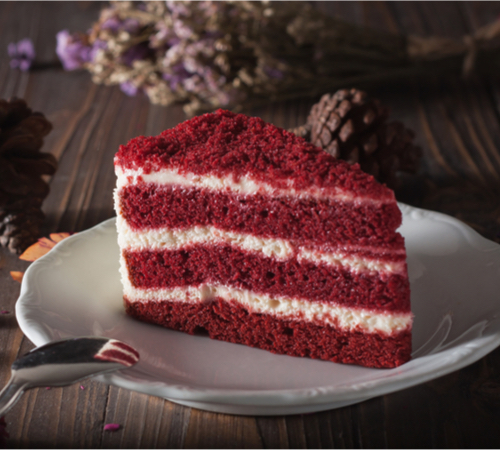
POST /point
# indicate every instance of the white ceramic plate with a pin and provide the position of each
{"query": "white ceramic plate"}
(75, 290)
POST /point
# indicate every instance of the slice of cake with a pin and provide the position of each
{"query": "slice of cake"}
(231, 226)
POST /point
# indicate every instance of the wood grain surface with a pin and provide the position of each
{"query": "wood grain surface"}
(457, 124)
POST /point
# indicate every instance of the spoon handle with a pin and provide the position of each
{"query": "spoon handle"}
(10, 395)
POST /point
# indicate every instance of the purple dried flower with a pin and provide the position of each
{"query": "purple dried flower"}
(215, 81)
(177, 8)
(115, 25)
(274, 73)
(139, 51)
(194, 49)
(112, 427)
(22, 54)
(182, 30)
(159, 37)
(194, 84)
(97, 45)
(72, 50)
(178, 75)
(174, 55)
(174, 41)
(163, 37)
(131, 25)
(219, 9)
(129, 88)
(194, 65)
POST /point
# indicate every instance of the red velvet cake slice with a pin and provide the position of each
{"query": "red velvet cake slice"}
(235, 227)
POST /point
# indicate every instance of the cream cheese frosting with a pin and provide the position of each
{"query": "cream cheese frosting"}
(345, 318)
(243, 185)
(281, 249)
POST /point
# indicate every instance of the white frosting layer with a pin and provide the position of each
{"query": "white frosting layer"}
(176, 239)
(275, 248)
(244, 185)
(284, 308)
(354, 263)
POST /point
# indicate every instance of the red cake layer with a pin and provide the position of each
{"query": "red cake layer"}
(232, 323)
(230, 266)
(223, 143)
(147, 206)
(114, 355)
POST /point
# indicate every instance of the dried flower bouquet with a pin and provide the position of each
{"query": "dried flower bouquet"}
(220, 54)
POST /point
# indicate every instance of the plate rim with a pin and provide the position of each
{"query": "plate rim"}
(39, 334)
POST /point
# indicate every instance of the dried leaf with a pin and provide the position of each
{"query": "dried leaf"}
(43, 246)
(17, 276)
(58, 237)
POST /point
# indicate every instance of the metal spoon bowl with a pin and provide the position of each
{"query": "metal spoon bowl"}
(65, 362)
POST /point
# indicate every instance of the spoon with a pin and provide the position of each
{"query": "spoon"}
(65, 362)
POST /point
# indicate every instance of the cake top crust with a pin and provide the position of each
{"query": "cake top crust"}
(224, 143)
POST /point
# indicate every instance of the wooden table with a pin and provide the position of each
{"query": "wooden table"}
(457, 124)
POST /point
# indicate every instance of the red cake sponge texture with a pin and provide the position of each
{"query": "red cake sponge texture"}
(223, 143)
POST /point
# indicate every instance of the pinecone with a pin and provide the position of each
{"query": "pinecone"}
(22, 188)
(351, 126)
